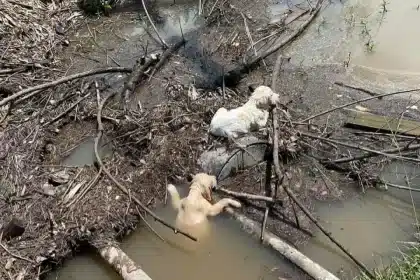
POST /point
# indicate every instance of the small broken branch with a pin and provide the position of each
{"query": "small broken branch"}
(134, 78)
(166, 56)
(371, 93)
(326, 233)
(249, 196)
(153, 25)
(14, 255)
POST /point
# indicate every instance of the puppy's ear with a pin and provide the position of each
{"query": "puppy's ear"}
(213, 182)
(190, 178)
(252, 87)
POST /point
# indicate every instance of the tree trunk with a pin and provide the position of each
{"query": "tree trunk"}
(123, 264)
(310, 267)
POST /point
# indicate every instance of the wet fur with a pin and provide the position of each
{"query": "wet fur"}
(196, 207)
(251, 116)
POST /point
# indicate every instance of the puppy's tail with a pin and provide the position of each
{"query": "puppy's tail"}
(175, 197)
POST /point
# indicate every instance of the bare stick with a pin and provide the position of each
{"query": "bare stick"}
(64, 80)
(68, 110)
(368, 155)
(166, 55)
(371, 93)
(153, 25)
(279, 174)
(400, 187)
(358, 147)
(14, 255)
(248, 196)
(328, 234)
(130, 84)
(268, 173)
(149, 226)
(358, 101)
(119, 185)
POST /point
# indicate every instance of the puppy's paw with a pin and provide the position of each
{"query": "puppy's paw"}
(235, 203)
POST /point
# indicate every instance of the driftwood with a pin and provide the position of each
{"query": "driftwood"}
(310, 267)
(166, 56)
(122, 263)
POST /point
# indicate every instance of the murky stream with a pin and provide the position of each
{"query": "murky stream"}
(380, 44)
(377, 39)
(371, 225)
(227, 253)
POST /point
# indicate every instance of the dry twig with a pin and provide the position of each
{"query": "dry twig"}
(153, 25)
(64, 80)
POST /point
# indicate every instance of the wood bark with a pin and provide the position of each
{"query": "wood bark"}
(122, 263)
(306, 264)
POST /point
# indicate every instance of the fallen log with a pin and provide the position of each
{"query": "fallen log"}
(295, 256)
(122, 263)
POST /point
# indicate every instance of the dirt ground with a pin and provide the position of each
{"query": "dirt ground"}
(157, 145)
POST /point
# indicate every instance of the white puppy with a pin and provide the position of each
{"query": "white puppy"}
(251, 116)
(196, 207)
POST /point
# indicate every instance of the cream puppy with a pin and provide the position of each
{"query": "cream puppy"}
(251, 116)
(196, 207)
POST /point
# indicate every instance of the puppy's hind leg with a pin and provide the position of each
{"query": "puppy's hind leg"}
(175, 197)
(218, 207)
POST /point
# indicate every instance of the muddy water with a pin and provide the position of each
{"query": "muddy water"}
(378, 42)
(84, 153)
(226, 253)
(371, 225)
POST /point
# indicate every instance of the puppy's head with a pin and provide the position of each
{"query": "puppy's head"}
(264, 97)
(207, 183)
